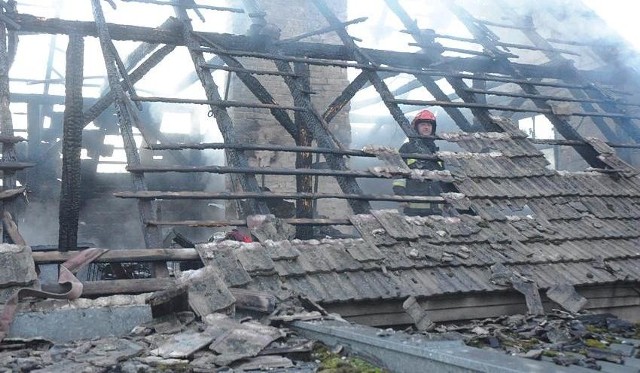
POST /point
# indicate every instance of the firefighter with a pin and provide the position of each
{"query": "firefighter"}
(425, 125)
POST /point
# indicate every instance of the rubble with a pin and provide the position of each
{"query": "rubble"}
(565, 338)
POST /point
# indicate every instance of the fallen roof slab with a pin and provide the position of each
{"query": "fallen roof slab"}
(63, 321)
(400, 352)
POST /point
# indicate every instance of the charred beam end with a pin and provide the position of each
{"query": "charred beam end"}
(11, 139)
(11, 193)
(15, 166)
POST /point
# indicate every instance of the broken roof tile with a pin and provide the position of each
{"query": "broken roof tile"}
(222, 257)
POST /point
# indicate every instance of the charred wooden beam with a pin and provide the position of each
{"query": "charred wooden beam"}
(11, 193)
(562, 125)
(285, 148)
(243, 223)
(541, 110)
(192, 5)
(270, 171)
(146, 208)
(345, 96)
(247, 182)
(594, 93)
(436, 35)
(428, 82)
(240, 46)
(148, 194)
(322, 30)
(324, 137)
(138, 73)
(248, 71)
(257, 88)
(120, 255)
(11, 139)
(10, 228)
(581, 143)
(7, 56)
(304, 160)
(547, 97)
(69, 211)
(15, 166)
(380, 86)
(217, 103)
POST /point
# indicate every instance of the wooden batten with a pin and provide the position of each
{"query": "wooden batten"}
(620, 300)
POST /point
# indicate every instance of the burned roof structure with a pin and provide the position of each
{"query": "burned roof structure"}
(534, 219)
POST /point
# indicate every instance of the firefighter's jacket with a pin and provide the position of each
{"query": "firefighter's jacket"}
(414, 187)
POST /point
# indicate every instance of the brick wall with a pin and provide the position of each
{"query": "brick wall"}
(257, 126)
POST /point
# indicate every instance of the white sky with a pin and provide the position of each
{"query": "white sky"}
(621, 15)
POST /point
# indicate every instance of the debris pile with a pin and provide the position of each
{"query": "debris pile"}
(589, 340)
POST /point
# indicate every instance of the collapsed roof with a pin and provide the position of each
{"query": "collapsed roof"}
(545, 226)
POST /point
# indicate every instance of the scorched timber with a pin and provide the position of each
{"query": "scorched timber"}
(32, 24)
(210, 195)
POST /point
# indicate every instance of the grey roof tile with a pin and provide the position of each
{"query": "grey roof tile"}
(311, 259)
(254, 258)
(280, 250)
(362, 250)
(335, 255)
(395, 224)
(222, 256)
(371, 230)
(287, 268)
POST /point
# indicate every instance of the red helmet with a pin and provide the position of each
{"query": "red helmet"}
(424, 115)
